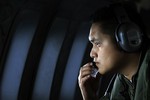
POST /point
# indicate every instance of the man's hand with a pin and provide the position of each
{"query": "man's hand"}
(88, 85)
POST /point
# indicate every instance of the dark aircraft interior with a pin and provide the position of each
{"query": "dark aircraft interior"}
(43, 44)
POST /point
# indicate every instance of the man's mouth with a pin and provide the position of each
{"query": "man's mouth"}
(94, 64)
(97, 63)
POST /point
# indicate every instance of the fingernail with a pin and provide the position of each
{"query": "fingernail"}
(91, 64)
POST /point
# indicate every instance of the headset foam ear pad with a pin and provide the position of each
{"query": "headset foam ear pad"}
(128, 36)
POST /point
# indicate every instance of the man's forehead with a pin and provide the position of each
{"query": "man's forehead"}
(93, 37)
(94, 33)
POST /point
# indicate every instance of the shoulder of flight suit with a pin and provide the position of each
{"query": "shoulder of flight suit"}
(143, 80)
(118, 92)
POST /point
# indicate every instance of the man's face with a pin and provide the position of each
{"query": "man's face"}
(104, 52)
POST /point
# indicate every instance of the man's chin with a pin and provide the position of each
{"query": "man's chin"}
(101, 69)
(102, 72)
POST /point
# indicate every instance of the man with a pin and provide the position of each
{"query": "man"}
(119, 46)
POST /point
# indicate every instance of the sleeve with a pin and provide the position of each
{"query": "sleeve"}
(143, 81)
(148, 81)
(107, 97)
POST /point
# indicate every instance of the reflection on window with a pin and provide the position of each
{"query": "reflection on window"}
(74, 63)
(49, 59)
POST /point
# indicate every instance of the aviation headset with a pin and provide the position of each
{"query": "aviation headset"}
(128, 34)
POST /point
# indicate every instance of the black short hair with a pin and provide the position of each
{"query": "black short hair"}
(107, 19)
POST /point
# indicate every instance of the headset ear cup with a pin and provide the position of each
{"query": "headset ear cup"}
(129, 37)
(118, 37)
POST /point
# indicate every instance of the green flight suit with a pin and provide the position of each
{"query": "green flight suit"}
(138, 89)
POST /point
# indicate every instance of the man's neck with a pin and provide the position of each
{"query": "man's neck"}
(132, 65)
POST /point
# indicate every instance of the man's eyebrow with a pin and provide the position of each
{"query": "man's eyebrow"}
(93, 40)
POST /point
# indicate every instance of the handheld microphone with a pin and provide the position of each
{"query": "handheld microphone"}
(94, 70)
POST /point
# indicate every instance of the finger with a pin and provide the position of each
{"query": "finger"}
(85, 70)
(84, 80)
(85, 73)
(87, 66)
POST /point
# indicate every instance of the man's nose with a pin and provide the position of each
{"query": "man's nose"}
(93, 53)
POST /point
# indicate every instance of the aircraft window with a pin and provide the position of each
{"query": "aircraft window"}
(20, 44)
(48, 60)
(74, 62)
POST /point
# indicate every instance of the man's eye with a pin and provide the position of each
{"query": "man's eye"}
(98, 44)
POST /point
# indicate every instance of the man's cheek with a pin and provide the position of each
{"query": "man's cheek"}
(100, 59)
(102, 56)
